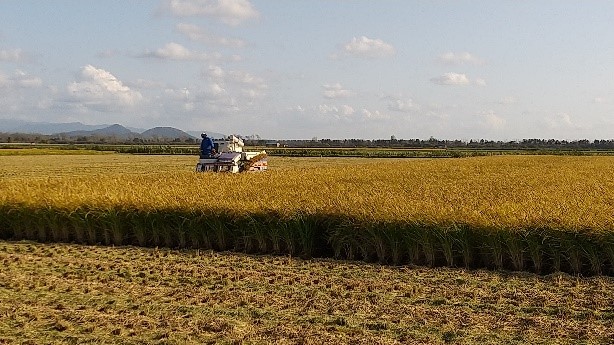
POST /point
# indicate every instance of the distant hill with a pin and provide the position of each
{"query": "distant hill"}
(46, 128)
(78, 129)
(116, 130)
(165, 132)
(121, 132)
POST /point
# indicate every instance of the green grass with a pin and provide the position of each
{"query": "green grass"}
(58, 293)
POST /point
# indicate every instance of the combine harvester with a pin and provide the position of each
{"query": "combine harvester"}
(228, 156)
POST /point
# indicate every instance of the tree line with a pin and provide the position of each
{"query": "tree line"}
(433, 143)
(393, 142)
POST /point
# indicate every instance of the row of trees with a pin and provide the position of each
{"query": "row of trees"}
(63, 139)
(393, 142)
(459, 144)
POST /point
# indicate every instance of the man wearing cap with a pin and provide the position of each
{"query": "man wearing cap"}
(206, 146)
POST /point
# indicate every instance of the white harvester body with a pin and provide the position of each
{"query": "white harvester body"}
(230, 157)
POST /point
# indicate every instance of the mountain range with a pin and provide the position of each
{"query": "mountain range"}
(77, 129)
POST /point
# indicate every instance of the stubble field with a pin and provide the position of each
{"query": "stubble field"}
(75, 294)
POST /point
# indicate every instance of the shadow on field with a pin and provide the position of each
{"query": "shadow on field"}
(540, 250)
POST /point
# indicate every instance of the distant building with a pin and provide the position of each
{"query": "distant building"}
(272, 143)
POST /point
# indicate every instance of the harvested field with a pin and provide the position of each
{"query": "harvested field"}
(58, 293)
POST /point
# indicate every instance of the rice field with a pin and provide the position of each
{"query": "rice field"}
(525, 213)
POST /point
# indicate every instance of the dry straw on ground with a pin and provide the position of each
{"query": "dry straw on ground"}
(75, 294)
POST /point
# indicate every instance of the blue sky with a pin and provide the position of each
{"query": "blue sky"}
(502, 70)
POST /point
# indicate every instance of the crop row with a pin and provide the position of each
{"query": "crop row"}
(320, 235)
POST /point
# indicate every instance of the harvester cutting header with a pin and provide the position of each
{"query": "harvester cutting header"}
(227, 155)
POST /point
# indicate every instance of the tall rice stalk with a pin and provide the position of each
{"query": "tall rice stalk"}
(426, 238)
(54, 224)
(198, 233)
(306, 228)
(181, 222)
(342, 239)
(14, 223)
(396, 242)
(554, 250)
(377, 239)
(5, 223)
(411, 242)
(140, 227)
(222, 235)
(37, 223)
(593, 252)
(163, 227)
(77, 224)
(465, 239)
(446, 236)
(607, 240)
(493, 248)
(572, 249)
(516, 247)
(255, 230)
(534, 239)
(90, 221)
(112, 227)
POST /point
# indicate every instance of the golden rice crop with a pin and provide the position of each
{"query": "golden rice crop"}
(520, 212)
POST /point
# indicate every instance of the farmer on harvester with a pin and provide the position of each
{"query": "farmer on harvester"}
(206, 146)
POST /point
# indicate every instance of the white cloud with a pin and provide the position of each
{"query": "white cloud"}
(373, 115)
(507, 100)
(561, 121)
(214, 72)
(451, 58)
(100, 90)
(216, 90)
(402, 105)
(248, 79)
(480, 82)
(368, 48)
(26, 81)
(20, 79)
(224, 93)
(492, 120)
(298, 108)
(146, 84)
(13, 55)
(599, 100)
(231, 12)
(212, 98)
(175, 51)
(250, 86)
(23, 95)
(198, 34)
(177, 94)
(344, 110)
(336, 91)
(4, 81)
(451, 79)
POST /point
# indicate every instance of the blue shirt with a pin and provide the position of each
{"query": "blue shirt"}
(206, 145)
